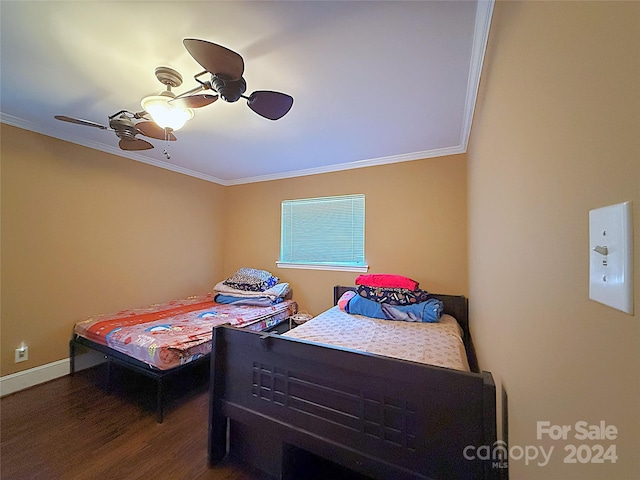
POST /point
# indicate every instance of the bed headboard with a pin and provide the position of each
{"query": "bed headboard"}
(455, 305)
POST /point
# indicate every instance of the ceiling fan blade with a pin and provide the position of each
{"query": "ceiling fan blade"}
(88, 123)
(153, 130)
(271, 105)
(214, 58)
(194, 101)
(135, 144)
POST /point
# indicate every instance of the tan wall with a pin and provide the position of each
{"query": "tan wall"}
(86, 232)
(415, 225)
(556, 133)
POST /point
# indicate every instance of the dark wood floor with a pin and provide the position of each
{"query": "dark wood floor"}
(70, 428)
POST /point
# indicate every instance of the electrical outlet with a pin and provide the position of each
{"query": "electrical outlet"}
(22, 353)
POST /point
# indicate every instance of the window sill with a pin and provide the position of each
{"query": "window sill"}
(312, 266)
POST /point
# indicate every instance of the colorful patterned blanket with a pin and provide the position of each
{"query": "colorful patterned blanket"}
(174, 333)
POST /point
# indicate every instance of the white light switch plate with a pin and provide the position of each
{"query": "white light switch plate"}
(610, 256)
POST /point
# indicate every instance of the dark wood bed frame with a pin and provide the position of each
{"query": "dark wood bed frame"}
(277, 402)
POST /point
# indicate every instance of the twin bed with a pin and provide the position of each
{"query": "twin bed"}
(281, 402)
(385, 399)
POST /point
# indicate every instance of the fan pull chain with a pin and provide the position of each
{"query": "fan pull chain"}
(166, 150)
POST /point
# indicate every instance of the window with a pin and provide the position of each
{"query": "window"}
(323, 233)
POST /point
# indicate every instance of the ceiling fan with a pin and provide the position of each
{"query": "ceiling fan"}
(126, 129)
(226, 68)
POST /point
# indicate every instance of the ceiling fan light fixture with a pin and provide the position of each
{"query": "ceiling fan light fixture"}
(165, 114)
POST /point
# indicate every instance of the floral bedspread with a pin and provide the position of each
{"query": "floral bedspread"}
(174, 333)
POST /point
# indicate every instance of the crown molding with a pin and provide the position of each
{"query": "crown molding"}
(18, 122)
(484, 13)
(408, 157)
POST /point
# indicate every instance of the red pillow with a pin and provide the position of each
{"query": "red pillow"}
(386, 280)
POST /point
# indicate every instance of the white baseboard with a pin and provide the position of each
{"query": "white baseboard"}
(34, 376)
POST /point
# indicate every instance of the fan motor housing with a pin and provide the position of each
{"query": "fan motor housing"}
(124, 127)
(229, 90)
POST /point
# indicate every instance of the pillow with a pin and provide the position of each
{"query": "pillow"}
(251, 279)
(344, 299)
(392, 296)
(386, 280)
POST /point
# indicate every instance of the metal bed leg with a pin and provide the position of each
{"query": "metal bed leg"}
(72, 358)
(108, 379)
(159, 404)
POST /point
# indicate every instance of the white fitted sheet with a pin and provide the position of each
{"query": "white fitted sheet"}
(437, 344)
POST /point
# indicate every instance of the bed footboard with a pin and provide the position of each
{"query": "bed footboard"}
(382, 417)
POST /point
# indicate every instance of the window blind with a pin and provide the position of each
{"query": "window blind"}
(323, 231)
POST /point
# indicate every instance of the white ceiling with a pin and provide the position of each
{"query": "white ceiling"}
(373, 81)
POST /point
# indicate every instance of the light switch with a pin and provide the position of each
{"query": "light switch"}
(610, 256)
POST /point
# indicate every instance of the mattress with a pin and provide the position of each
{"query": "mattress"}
(174, 333)
(437, 344)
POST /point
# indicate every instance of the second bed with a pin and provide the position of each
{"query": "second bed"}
(161, 340)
